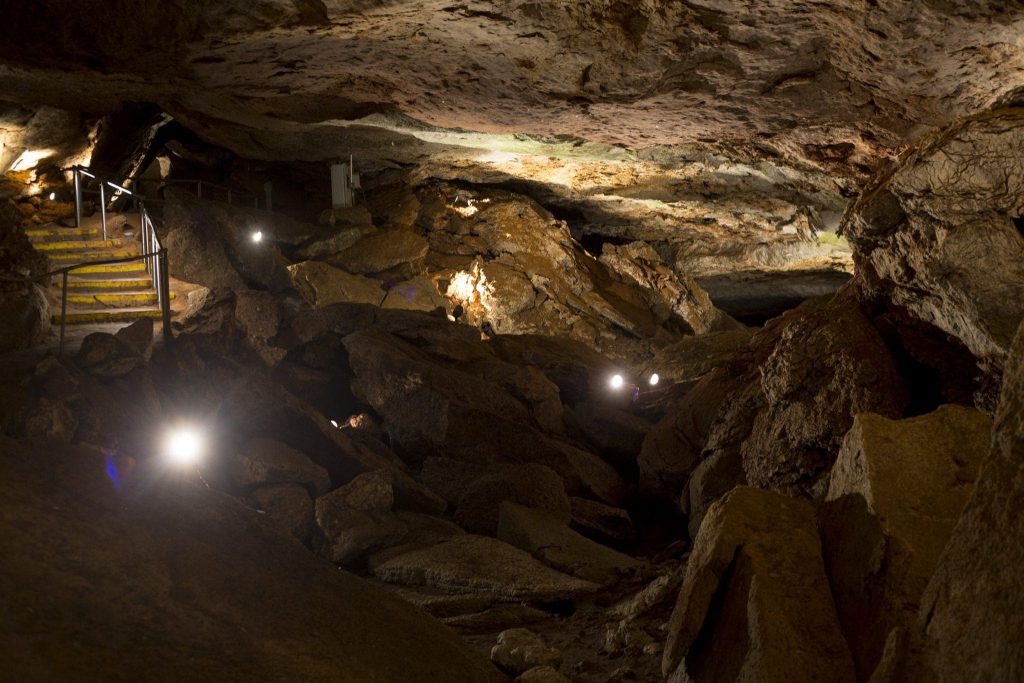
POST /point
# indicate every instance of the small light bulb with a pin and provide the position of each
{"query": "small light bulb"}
(53, 195)
(257, 236)
(654, 379)
(617, 382)
(334, 423)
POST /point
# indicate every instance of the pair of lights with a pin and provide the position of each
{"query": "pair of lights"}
(256, 237)
(617, 381)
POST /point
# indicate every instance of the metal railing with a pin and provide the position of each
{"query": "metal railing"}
(230, 192)
(161, 282)
(153, 256)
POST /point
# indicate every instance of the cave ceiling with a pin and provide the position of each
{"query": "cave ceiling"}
(720, 126)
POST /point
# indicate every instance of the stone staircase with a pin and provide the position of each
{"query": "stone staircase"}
(112, 293)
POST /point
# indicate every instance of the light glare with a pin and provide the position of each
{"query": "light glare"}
(183, 446)
(654, 379)
(53, 195)
(617, 382)
(257, 236)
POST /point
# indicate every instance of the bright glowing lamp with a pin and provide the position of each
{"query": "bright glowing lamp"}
(616, 382)
(257, 237)
(654, 379)
(53, 195)
(183, 446)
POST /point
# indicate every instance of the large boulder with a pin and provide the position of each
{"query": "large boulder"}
(397, 254)
(548, 538)
(940, 235)
(26, 316)
(972, 606)
(162, 576)
(321, 284)
(263, 461)
(895, 494)
(692, 357)
(434, 408)
(755, 604)
(470, 564)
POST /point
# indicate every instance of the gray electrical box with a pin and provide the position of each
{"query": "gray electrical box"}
(343, 181)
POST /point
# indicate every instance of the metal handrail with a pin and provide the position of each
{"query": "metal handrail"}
(199, 182)
(162, 288)
(78, 172)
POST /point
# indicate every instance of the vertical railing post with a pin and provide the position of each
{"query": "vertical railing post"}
(103, 210)
(165, 293)
(63, 311)
(78, 198)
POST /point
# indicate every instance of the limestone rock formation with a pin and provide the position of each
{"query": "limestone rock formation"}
(895, 494)
(480, 565)
(940, 235)
(970, 609)
(262, 461)
(321, 284)
(755, 603)
(550, 540)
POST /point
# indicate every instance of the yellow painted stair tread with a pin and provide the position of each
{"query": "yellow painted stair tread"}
(60, 232)
(84, 256)
(129, 267)
(136, 283)
(86, 245)
(109, 315)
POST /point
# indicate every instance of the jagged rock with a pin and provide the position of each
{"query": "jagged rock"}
(289, 506)
(416, 294)
(548, 538)
(971, 608)
(580, 372)
(481, 565)
(496, 618)
(139, 336)
(829, 365)
(43, 418)
(937, 235)
(52, 379)
(601, 521)
(106, 355)
(430, 408)
(895, 495)
(26, 314)
(262, 461)
(626, 637)
(321, 285)
(585, 474)
(617, 434)
(339, 241)
(531, 484)
(356, 519)
(520, 649)
(639, 262)
(693, 357)
(652, 595)
(756, 576)
(258, 317)
(393, 253)
(541, 674)
(671, 449)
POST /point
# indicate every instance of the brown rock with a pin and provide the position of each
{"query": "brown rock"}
(533, 485)
(548, 538)
(520, 649)
(618, 435)
(972, 606)
(936, 236)
(895, 494)
(391, 252)
(289, 506)
(600, 521)
(755, 603)
(481, 565)
(322, 285)
(262, 461)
